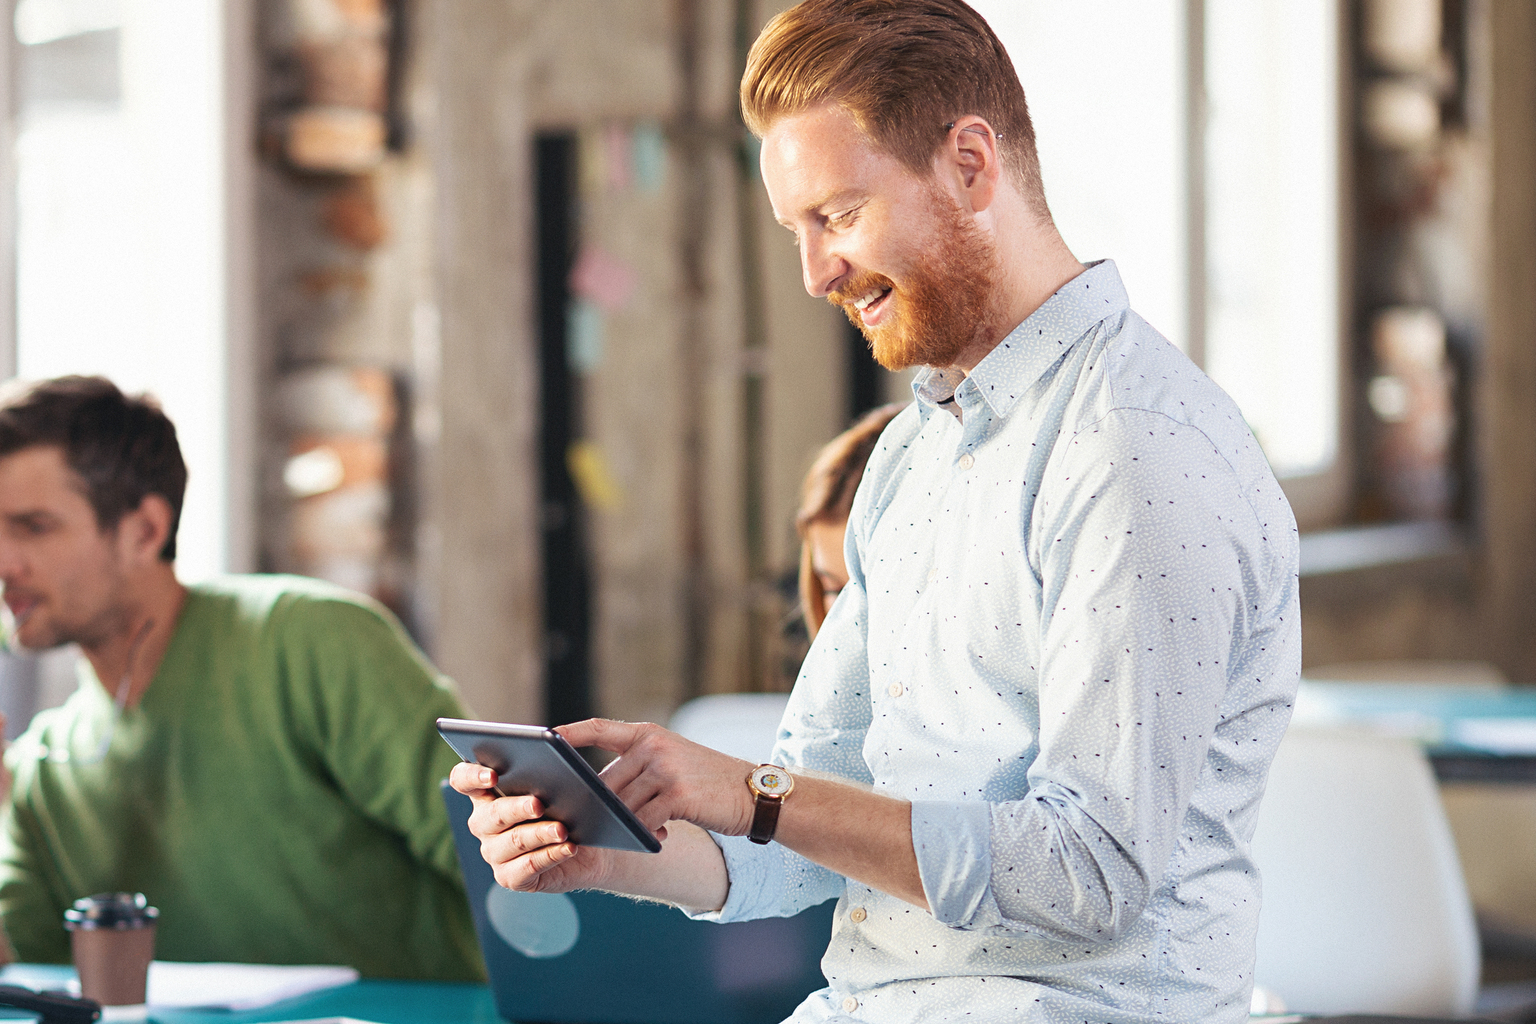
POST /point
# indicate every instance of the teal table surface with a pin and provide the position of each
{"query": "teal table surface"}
(383, 1002)
(1434, 715)
(1471, 733)
(1428, 713)
(386, 1002)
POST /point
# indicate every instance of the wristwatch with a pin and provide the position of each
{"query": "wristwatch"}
(769, 784)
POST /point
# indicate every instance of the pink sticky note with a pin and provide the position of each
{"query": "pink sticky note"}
(616, 153)
(603, 279)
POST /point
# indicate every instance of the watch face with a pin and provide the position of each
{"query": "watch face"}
(771, 780)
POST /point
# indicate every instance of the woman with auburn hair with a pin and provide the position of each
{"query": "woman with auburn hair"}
(826, 497)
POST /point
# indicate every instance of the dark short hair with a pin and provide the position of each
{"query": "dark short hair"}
(123, 448)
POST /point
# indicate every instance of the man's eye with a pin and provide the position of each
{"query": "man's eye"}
(842, 220)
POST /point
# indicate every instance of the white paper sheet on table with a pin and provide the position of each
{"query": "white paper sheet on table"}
(1509, 736)
(175, 985)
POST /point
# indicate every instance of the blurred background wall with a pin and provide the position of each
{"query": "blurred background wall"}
(478, 305)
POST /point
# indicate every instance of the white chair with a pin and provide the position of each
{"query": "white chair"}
(1365, 908)
(743, 725)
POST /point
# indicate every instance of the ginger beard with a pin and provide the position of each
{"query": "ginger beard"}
(946, 303)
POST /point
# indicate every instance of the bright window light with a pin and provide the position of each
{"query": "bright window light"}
(45, 21)
(1272, 322)
(1106, 82)
(120, 266)
(1105, 85)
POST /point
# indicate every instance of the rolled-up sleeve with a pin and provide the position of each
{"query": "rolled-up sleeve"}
(953, 843)
(769, 881)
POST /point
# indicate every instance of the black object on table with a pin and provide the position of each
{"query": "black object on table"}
(51, 1007)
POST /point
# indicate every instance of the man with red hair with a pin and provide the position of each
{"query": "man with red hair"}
(1027, 747)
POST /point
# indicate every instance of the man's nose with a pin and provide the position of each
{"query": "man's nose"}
(820, 267)
(10, 562)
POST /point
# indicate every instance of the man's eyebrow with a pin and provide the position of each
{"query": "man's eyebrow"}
(29, 516)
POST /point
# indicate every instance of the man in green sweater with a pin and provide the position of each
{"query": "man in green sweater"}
(256, 755)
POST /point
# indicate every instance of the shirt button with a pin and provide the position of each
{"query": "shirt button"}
(933, 574)
(850, 1004)
(894, 690)
(858, 915)
(967, 461)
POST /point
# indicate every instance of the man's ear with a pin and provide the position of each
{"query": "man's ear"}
(142, 533)
(970, 158)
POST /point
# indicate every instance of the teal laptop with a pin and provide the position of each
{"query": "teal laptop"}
(593, 958)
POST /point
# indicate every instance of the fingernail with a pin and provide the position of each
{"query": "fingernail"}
(485, 776)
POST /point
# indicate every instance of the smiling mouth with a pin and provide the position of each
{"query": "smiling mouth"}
(870, 303)
(14, 620)
(20, 607)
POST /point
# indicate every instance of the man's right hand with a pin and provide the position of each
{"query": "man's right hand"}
(526, 853)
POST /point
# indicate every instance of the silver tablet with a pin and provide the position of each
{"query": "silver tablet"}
(529, 759)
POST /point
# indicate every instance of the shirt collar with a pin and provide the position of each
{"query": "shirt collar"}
(1035, 345)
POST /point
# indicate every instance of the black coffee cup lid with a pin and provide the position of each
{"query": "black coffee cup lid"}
(111, 910)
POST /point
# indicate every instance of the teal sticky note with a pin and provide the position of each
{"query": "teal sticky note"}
(751, 153)
(648, 148)
(583, 336)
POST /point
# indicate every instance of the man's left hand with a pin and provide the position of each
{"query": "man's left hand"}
(663, 777)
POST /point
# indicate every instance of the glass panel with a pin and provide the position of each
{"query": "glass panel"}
(119, 219)
(1105, 84)
(1272, 322)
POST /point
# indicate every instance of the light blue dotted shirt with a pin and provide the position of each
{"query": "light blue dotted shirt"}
(1070, 637)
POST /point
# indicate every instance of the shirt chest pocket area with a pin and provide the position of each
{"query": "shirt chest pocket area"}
(980, 603)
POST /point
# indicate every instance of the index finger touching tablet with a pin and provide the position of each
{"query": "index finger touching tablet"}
(603, 733)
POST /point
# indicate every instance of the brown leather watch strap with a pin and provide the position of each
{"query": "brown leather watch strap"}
(765, 818)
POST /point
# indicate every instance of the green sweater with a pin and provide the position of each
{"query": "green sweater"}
(274, 793)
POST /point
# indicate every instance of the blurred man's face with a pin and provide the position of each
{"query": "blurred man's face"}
(63, 575)
(892, 249)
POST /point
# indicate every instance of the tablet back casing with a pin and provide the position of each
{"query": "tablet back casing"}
(531, 760)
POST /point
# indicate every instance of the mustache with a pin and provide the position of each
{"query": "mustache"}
(859, 286)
